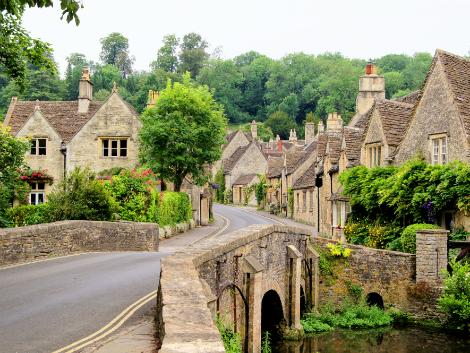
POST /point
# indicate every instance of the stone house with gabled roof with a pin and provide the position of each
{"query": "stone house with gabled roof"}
(386, 123)
(82, 133)
(246, 160)
(439, 129)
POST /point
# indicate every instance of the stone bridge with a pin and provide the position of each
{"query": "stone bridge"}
(265, 276)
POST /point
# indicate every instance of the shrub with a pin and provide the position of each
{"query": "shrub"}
(408, 236)
(26, 215)
(455, 301)
(135, 194)
(81, 196)
(220, 180)
(313, 324)
(381, 235)
(173, 208)
(459, 234)
(356, 232)
(338, 250)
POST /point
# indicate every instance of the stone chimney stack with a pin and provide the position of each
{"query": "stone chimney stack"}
(254, 130)
(292, 135)
(85, 91)
(321, 127)
(334, 122)
(309, 132)
(152, 98)
(278, 143)
(371, 87)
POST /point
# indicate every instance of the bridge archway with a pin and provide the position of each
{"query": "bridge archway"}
(271, 314)
(376, 299)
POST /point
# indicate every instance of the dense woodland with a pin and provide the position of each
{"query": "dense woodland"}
(249, 86)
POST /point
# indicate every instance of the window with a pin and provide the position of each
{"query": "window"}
(375, 155)
(298, 200)
(38, 147)
(37, 194)
(341, 210)
(439, 150)
(304, 200)
(311, 199)
(114, 147)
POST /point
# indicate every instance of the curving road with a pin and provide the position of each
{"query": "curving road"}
(49, 304)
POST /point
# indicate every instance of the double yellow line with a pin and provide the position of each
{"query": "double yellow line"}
(109, 328)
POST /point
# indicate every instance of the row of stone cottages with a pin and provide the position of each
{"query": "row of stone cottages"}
(434, 121)
(87, 134)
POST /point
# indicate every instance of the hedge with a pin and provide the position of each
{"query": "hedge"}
(26, 215)
(173, 208)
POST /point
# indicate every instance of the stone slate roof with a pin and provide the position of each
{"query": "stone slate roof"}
(275, 165)
(395, 117)
(307, 152)
(63, 116)
(245, 179)
(229, 137)
(411, 98)
(230, 162)
(293, 156)
(353, 141)
(457, 71)
(307, 180)
(334, 146)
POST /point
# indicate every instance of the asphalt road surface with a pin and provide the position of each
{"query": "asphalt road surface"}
(49, 304)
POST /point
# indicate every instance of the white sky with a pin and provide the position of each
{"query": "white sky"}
(357, 28)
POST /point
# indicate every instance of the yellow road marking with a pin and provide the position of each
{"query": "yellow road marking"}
(109, 328)
(220, 231)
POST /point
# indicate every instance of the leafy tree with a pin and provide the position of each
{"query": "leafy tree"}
(280, 124)
(167, 58)
(105, 76)
(75, 64)
(192, 54)
(394, 82)
(12, 152)
(183, 132)
(68, 7)
(115, 51)
(416, 70)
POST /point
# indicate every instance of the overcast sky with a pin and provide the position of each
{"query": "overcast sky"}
(357, 28)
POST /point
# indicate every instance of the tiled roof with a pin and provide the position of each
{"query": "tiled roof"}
(307, 152)
(230, 162)
(63, 116)
(307, 179)
(353, 141)
(229, 137)
(275, 165)
(245, 179)
(334, 146)
(293, 156)
(395, 117)
(457, 71)
(411, 98)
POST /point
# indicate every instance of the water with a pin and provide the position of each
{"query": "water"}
(388, 340)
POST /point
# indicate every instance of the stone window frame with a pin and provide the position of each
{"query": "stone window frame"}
(311, 200)
(304, 200)
(439, 148)
(37, 195)
(107, 146)
(374, 154)
(341, 211)
(36, 149)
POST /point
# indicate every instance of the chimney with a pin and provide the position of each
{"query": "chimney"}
(85, 91)
(334, 122)
(254, 130)
(279, 144)
(309, 132)
(292, 135)
(371, 87)
(152, 98)
(321, 127)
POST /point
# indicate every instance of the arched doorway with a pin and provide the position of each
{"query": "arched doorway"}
(271, 314)
(375, 299)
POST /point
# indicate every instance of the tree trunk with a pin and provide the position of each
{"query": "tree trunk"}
(177, 183)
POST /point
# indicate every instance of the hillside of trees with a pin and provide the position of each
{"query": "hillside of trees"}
(249, 86)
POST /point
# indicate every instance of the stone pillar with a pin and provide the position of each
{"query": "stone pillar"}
(294, 258)
(204, 210)
(314, 287)
(309, 132)
(254, 295)
(431, 255)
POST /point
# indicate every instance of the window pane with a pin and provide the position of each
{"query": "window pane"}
(444, 150)
(42, 143)
(435, 156)
(41, 186)
(379, 154)
(33, 198)
(105, 148)
(123, 143)
(40, 198)
(123, 151)
(114, 144)
(42, 151)
(33, 146)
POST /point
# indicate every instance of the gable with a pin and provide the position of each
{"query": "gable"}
(235, 140)
(435, 113)
(374, 132)
(38, 126)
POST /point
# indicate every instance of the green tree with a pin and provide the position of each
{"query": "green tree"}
(115, 51)
(167, 58)
(12, 152)
(280, 124)
(16, 7)
(75, 64)
(183, 133)
(193, 54)
(394, 82)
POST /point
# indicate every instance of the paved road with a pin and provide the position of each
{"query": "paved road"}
(47, 305)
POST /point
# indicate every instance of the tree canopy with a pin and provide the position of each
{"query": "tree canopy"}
(115, 51)
(183, 133)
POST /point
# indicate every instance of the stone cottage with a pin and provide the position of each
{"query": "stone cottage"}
(82, 133)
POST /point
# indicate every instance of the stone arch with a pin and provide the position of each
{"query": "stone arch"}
(272, 314)
(375, 298)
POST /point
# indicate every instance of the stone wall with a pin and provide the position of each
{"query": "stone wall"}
(24, 244)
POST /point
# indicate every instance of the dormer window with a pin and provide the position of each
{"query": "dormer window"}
(439, 149)
(38, 147)
(114, 147)
(374, 155)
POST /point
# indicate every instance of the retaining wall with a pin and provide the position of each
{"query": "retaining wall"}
(24, 244)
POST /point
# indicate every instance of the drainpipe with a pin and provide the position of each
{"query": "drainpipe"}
(63, 150)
